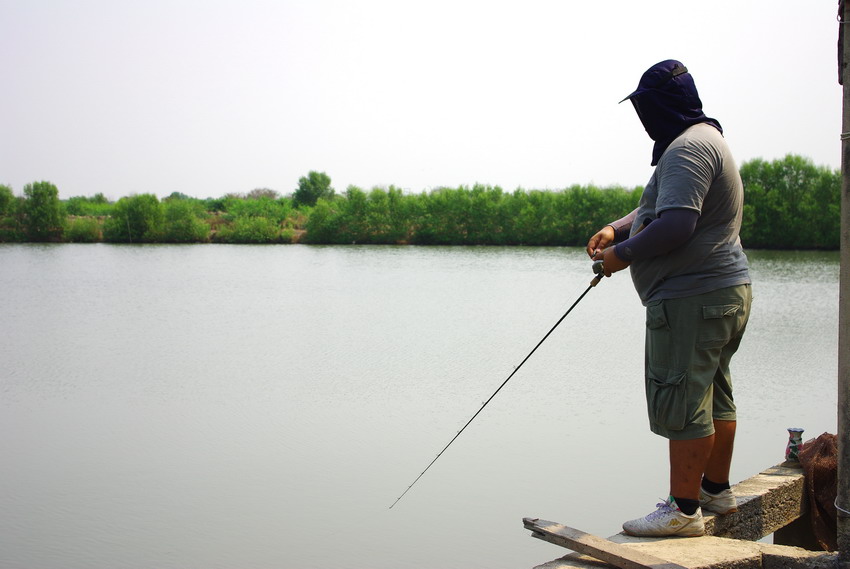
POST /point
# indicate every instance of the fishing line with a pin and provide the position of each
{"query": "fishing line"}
(598, 269)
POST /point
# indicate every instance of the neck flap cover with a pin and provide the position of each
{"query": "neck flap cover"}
(667, 103)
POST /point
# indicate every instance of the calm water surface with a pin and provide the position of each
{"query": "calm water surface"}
(261, 407)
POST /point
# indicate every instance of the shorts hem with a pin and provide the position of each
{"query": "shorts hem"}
(726, 417)
(683, 435)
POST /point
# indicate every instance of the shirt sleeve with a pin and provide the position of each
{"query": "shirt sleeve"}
(686, 175)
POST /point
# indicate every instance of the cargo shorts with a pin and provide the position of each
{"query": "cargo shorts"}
(689, 344)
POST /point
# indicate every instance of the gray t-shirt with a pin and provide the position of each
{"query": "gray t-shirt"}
(697, 172)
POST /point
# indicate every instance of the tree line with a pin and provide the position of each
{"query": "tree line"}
(789, 204)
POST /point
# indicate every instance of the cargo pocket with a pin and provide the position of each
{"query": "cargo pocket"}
(657, 335)
(655, 316)
(666, 397)
(718, 325)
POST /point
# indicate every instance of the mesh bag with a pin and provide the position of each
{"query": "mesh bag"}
(819, 459)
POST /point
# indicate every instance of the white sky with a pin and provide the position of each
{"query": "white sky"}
(209, 97)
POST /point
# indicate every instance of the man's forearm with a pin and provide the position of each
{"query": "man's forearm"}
(671, 230)
(623, 226)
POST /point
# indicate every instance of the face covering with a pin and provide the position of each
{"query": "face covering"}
(667, 103)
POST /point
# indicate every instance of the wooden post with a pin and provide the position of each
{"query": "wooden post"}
(843, 501)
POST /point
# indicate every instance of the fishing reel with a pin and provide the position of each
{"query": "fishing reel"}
(598, 267)
(599, 271)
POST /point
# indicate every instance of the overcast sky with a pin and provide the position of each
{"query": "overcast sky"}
(209, 97)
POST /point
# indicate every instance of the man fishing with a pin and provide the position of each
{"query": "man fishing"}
(682, 247)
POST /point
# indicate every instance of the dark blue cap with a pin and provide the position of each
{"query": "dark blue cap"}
(657, 77)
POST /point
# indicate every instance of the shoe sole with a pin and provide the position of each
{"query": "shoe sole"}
(732, 511)
(667, 535)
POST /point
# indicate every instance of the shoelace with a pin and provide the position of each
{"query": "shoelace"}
(664, 507)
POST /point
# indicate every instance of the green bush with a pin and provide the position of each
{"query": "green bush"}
(214, 205)
(312, 188)
(324, 223)
(247, 230)
(6, 199)
(262, 206)
(183, 222)
(440, 216)
(388, 216)
(42, 212)
(135, 219)
(790, 204)
(11, 228)
(96, 206)
(288, 236)
(352, 223)
(534, 218)
(482, 215)
(83, 230)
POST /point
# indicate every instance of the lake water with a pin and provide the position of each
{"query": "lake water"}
(214, 406)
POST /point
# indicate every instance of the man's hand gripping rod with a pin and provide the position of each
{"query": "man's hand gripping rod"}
(598, 269)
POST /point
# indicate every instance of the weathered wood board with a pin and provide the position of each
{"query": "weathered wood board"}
(597, 547)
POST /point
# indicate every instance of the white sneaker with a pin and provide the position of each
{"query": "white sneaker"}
(721, 503)
(667, 520)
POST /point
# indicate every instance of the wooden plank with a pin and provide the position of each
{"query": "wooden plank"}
(597, 547)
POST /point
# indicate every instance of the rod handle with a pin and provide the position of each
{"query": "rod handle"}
(599, 270)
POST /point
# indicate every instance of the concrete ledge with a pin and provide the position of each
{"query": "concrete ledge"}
(785, 557)
(767, 502)
(708, 552)
(700, 552)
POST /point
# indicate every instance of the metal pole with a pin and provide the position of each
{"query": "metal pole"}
(843, 500)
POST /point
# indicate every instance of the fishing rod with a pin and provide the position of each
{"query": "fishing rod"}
(600, 272)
